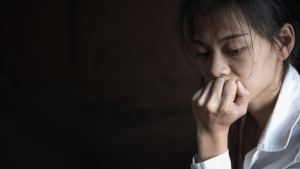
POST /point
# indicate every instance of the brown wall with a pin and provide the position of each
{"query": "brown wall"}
(88, 84)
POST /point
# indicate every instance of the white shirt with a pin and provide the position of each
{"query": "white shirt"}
(279, 144)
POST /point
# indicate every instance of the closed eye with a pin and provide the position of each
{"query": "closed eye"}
(234, 52)
(203, 55)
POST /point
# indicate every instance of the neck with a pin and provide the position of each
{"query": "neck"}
(261, 108)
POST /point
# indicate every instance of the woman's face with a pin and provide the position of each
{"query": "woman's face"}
(232, 50)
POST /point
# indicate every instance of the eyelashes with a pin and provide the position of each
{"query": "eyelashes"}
(231, 53)
(234, 52)
(203, 55)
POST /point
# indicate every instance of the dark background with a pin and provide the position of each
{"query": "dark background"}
(94, 84)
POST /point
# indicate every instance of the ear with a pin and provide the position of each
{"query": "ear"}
(287, 36)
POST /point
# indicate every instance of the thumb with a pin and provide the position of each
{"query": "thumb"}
(242, 94)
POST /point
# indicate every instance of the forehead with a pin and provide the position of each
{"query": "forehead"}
(220, 22)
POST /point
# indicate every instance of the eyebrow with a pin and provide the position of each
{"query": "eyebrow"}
(226, 38)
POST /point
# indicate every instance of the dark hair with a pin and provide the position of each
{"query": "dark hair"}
(266, 17)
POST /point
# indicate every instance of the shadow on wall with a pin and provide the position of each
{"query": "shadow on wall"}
(91, 84)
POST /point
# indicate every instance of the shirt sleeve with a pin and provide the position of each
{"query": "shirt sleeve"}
(219, 162)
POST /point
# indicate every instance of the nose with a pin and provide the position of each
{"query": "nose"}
(219, 67)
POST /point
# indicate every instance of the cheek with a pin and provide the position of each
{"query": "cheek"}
(254, 79)
(244, 70)
(202, 68)
(247, 74)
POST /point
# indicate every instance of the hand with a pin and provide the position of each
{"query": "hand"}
(215, 107)
(220, 103)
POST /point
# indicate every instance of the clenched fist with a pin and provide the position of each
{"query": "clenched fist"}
(215, 107)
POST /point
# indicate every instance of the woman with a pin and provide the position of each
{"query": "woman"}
(248, 107)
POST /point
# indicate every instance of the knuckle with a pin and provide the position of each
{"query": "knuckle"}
(198, 103)
(196, 96)
(224, 107)
(211, 107)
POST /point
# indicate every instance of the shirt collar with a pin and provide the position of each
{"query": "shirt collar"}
(285, 115)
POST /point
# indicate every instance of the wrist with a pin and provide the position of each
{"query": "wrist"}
(211, 144)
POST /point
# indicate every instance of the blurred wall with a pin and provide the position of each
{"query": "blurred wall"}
(94, 84)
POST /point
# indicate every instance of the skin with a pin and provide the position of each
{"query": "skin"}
(242, 72)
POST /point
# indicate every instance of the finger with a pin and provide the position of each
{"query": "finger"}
(228, 96)
(217, 89)
(203, 97)
(213, 102)
(229, 91)
(197, 95)
(242, 94)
